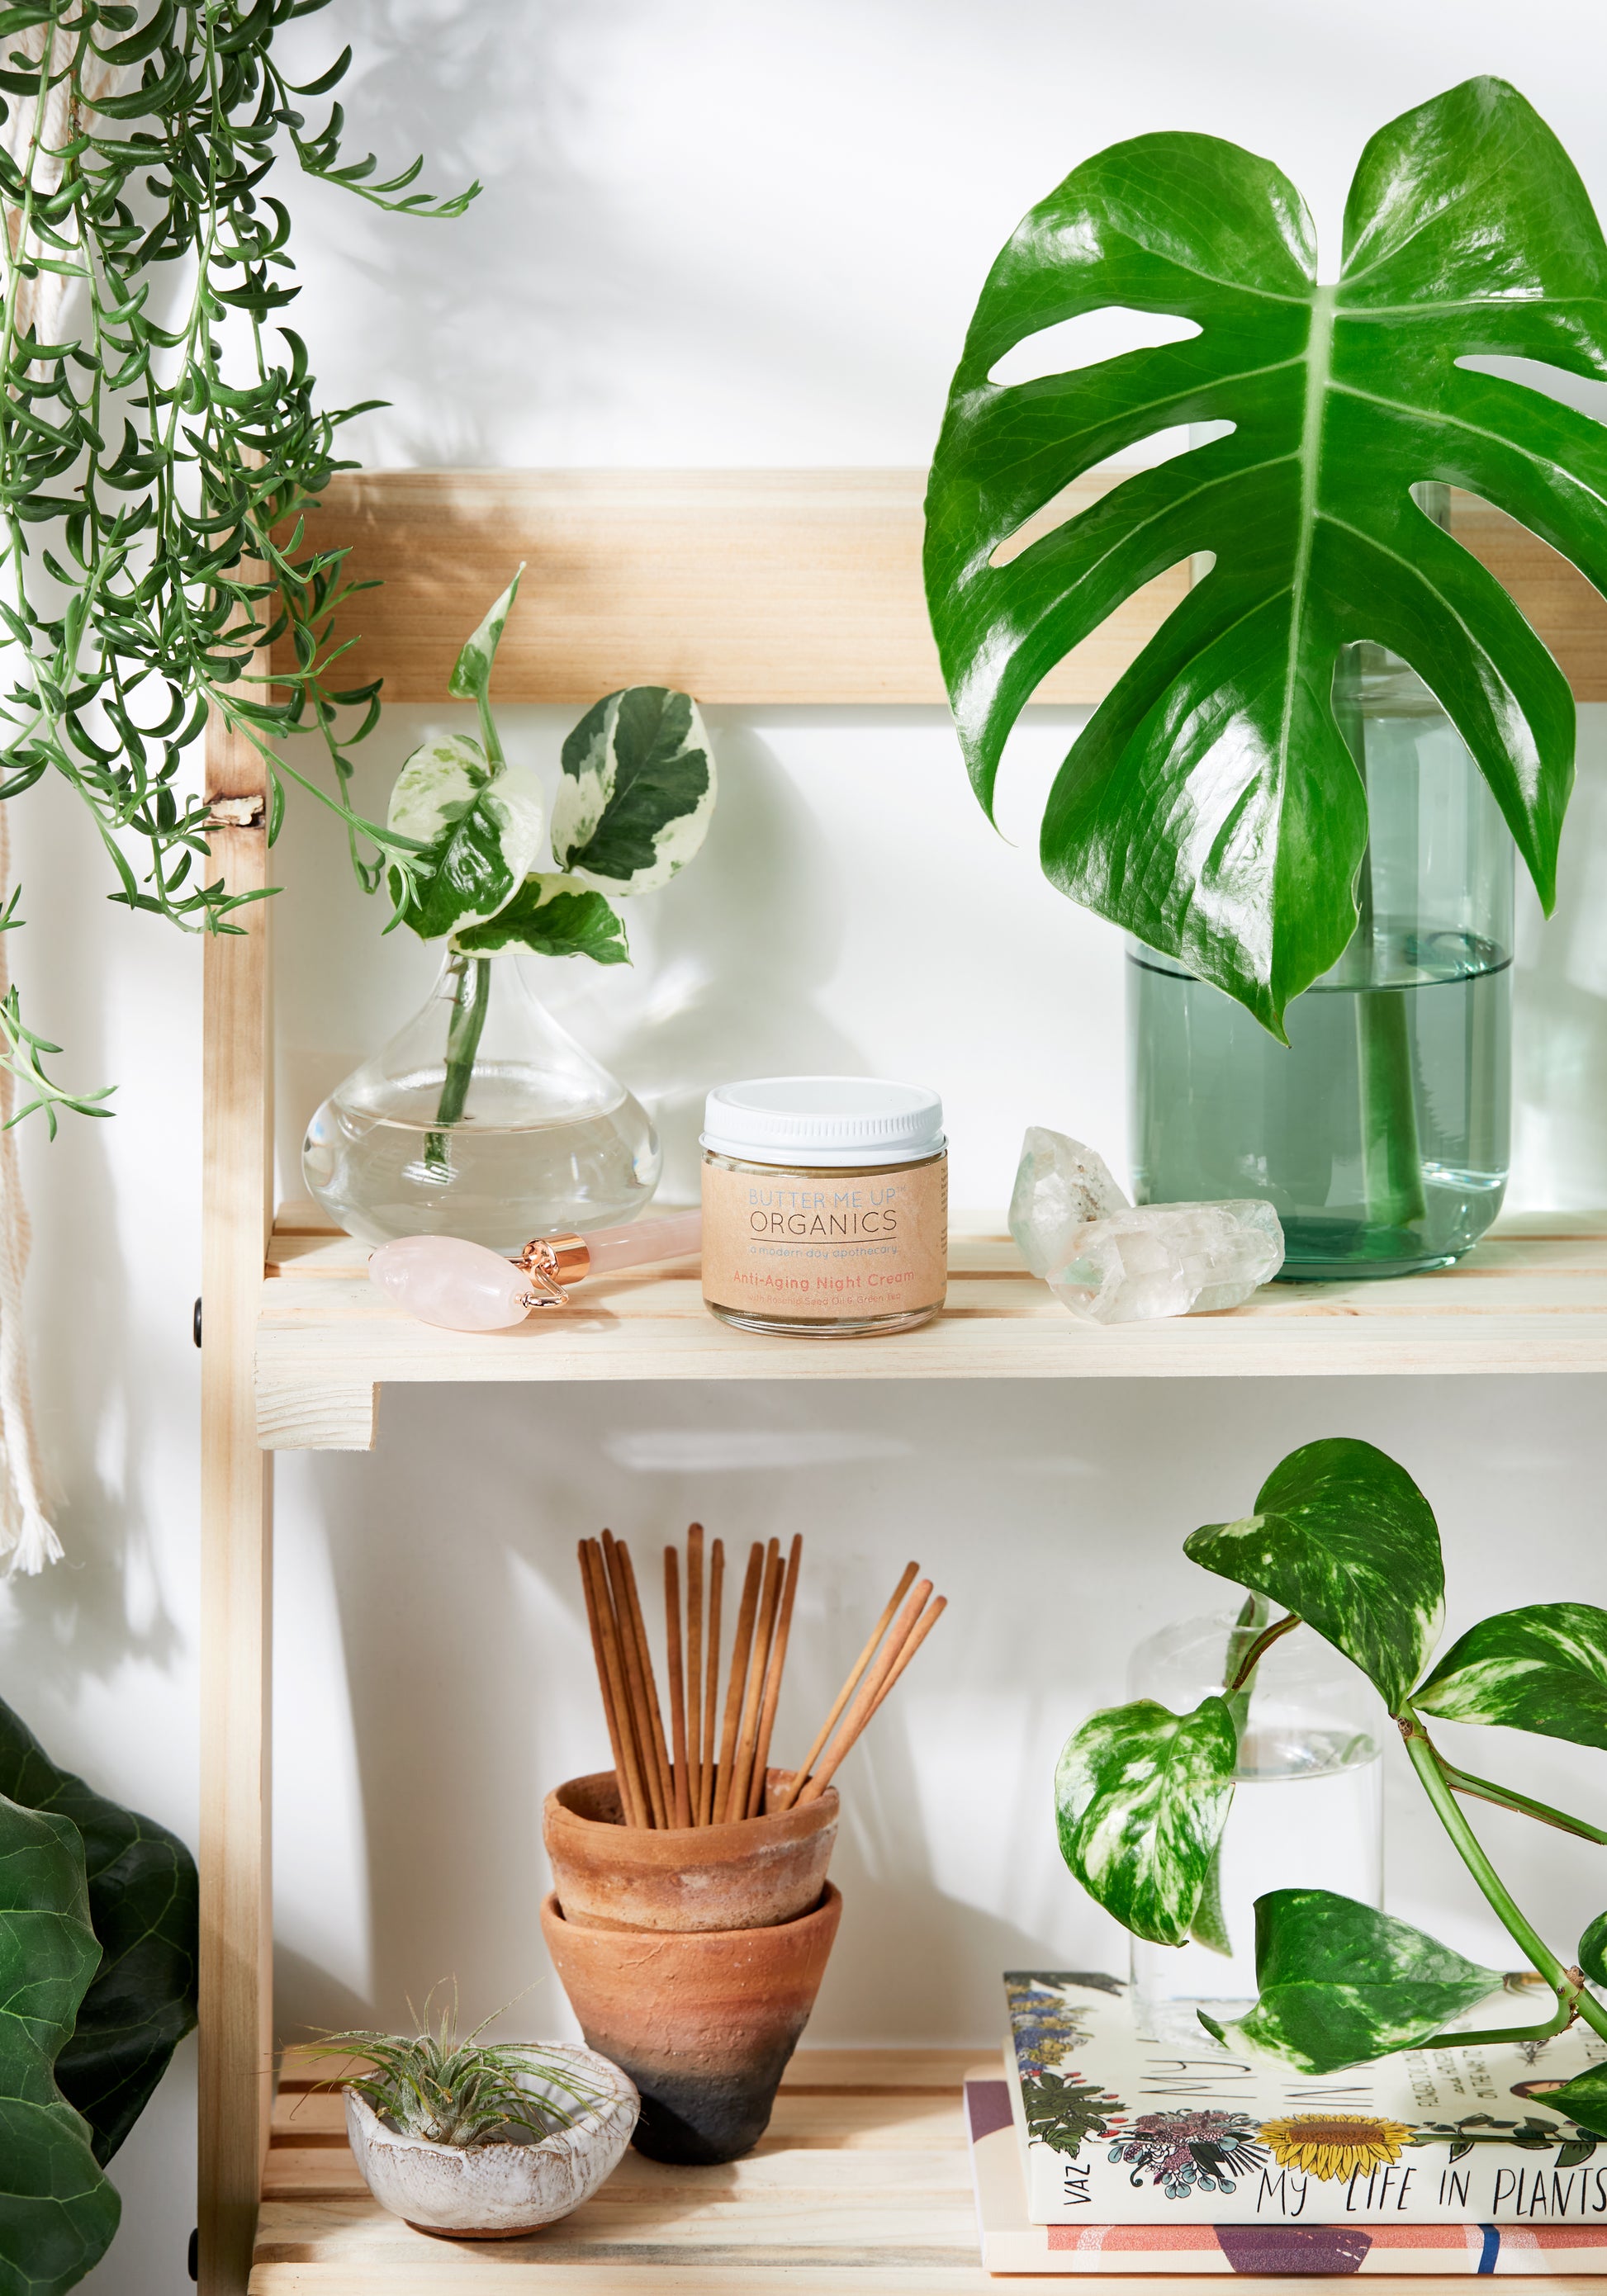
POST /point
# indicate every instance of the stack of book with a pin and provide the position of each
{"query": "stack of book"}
(1108, 2148)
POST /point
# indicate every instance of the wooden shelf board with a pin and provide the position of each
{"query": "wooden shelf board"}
(751, 586)
(862, 2184)
(1531, 1298)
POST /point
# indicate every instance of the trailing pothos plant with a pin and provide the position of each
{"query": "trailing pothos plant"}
(1342, 1538)
(161, 438)
(99, 1924)
(634, 799)
(1213, 805)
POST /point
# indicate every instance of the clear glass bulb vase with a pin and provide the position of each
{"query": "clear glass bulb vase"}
(482, 1118)
(1381, 1134)
(1308, 1806)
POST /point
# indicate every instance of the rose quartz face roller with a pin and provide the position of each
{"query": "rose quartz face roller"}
(442, 1279)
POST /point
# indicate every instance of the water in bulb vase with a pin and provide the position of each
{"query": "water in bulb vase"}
(1379, 1134)
(482, 1118)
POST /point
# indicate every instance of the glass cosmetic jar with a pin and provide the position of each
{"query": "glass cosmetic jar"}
(826, 1206)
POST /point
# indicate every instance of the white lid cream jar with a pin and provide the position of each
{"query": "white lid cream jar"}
(826, 1206)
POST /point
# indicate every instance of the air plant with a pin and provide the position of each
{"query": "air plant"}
(459, 2092)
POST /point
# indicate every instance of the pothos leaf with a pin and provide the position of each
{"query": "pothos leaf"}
(1584, 2099)
(470, 675)
(554, 916)
(144, 1900)
(1342, 1536)
(1541, 1669)
(638, 791)
(58, 2212)
(481, 825)
(1141, 1797)
(1209, 1927)
(1592, 1951)
(1211, 806)
(1340, 1983)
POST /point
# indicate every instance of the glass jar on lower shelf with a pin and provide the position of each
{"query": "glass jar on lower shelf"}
(1381, 1132)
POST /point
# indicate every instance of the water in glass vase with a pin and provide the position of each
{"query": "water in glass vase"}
(1381, 1134)
(481, 1119)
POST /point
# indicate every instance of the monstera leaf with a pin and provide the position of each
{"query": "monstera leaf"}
(1211, 806)
(1542, 1669)
(1344, 1538)
(1142, 1796)
(57, 2212)
(1341, 1984)
(145, 1906)
(638, 791)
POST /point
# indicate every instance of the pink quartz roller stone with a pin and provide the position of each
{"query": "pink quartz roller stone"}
(463, 1287)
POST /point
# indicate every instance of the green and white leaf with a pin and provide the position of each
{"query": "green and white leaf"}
(58, 2212)
(554, 916)
(1592, 1951)
(1583, 2099)
(638, 791)
(1141, 1797)
(1340, 1983)
(1541, 1669)
(470, 675)
(480, 825)
(1212, 806)
(1342, 1536)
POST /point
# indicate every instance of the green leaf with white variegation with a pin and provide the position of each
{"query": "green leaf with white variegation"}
(553, 916)
(471, 678)
(1541, 1669)
(480, 825)
(1342, 1536)
(1141, 1797)
(1592, 1951)
(1209, 1927)
(1583, 2099)
(638, 791)
(1340, 1983)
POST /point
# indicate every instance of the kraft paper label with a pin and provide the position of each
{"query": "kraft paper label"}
(827, 1247)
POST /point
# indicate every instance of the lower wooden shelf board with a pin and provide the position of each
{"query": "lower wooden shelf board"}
(862, 2183)
(1531, 1298)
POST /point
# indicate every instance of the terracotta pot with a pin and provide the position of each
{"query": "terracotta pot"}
(703, 2022)
(496, 2191)
(747, 1877)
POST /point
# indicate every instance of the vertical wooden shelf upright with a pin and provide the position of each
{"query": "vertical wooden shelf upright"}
(742, 587)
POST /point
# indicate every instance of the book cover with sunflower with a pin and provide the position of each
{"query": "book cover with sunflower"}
(1119, 2127)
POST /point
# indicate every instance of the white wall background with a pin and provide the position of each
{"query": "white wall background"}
(721, 233)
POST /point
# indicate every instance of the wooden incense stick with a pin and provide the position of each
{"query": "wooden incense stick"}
(747, 1740)
(737, 1684)
(609, 1712)
(694, 1669)
(795, 1786)
(631, 1653)
(870, 1690)
(610, 1675)
(711, 1685)
(922, 1626)
(655, 1716)
(773, 1673)
(677, 1685)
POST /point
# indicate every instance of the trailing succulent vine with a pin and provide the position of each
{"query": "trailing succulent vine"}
(162, 439)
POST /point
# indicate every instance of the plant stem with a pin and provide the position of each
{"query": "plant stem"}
(471, 999)
(1258, 1649)
(1572, 1998)
(1462, 1782)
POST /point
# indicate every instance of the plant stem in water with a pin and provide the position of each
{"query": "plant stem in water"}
(471, 999)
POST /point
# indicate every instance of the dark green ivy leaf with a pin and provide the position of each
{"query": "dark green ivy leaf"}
(1342, 1536)
(554, 916)
(1341, 1984)
(1541, 1669)
(1141, 1797)
(145, 1906)
(1211, 806)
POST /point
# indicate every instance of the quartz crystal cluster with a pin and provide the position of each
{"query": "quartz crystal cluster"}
(1113, 1262)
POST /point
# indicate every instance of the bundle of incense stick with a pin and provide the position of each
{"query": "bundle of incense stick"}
(696, 1774)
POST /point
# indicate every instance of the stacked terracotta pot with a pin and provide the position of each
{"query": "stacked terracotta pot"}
(692, 1955)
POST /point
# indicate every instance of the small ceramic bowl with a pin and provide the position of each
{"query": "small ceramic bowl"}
(496, 2191)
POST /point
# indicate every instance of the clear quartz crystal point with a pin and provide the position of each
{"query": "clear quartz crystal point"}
(482, 1118)
(1112, 1262)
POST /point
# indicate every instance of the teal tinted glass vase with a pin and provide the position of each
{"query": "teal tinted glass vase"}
(1381, 1134)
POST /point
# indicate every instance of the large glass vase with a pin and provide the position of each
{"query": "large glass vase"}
(1381, 1132)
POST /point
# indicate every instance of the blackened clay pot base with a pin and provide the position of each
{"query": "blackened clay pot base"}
(703, 2022)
